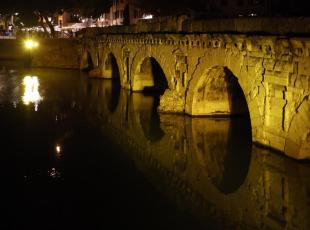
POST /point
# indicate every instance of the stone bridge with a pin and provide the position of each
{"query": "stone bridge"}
(215, 74)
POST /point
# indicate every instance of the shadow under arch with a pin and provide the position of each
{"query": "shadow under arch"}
(218, 93)
(110, 67)
(87, 62)
(150, 77)
(112, 88)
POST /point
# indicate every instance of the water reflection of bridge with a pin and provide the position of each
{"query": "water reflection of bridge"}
(206, 166)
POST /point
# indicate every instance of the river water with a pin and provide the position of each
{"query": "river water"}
(81, 153)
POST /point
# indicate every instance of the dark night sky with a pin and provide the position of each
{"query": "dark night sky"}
(166, 5)
(26, 7)
(46, 4)
(31, 4)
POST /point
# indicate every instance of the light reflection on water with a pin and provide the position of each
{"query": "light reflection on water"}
(54, 173)
(207, 168)
(31, 91)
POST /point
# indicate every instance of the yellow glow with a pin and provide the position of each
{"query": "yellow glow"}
(31, 93)
(29, 44)
(58, 148)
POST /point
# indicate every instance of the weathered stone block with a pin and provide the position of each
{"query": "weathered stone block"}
(279, 92)
(256, 54)
(269, 64)
(254, 61)
(274, 78)
(296, 43)
(302, 82)
(288, 95)
(275, 141)
(277, 102)
(282, 66)
(252, 45)
(304, 66)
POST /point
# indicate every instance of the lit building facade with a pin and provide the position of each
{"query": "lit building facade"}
(125, 12)
(64, 19)
(103, 20)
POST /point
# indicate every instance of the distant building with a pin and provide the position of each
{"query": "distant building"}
(64, 19)
(103, 20)
(2, 23)
(73, 21)
(126, 12)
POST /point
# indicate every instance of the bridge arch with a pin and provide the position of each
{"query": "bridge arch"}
(87, 62)
(239, 87)
(217, 93)
(149, 75)
(110, 67)
(162, 57)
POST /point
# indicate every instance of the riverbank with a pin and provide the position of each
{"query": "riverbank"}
(51, 53)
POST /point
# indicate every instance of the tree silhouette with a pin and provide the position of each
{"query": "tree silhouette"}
(42, 12)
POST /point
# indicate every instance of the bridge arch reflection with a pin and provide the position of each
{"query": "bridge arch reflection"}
(207, 166)
(221, 147)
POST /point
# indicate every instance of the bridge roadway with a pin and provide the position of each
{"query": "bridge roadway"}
(215, 74)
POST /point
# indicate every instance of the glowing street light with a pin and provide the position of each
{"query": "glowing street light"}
(30, 44)
(58, 151)
(58, 148)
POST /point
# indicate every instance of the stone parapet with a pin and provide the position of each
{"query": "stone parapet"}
(183, 24)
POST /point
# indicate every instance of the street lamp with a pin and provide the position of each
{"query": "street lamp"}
(30, 45)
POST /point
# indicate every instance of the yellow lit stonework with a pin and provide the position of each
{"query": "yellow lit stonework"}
(207, 74)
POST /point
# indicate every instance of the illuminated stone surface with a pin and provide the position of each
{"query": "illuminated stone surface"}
(205, 71)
